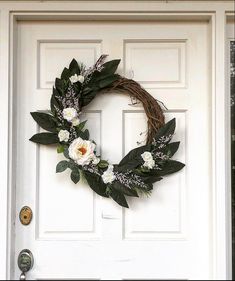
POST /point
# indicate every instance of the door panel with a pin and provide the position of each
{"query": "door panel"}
(76, 234)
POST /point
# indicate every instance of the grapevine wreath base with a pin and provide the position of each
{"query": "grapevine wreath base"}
(140, 168)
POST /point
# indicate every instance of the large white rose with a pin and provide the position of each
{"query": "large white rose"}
(77, 78)
(64, 135)
(82, 151)
(70, 114)
(109, 176)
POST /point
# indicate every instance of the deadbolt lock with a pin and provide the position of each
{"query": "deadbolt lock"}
(26, 215)
(25, 262)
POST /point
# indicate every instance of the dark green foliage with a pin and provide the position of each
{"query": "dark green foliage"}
(62, 166)
(96, 183)
(119, 198)
(133, 159)
(167, 130)
(75, 175)
(170, 167)
(45, 138)
(124, 190)
(45, 121)
(74, 68)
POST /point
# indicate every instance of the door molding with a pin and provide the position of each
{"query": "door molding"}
(215, 14)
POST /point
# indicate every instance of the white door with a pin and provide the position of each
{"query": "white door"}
(76, 234)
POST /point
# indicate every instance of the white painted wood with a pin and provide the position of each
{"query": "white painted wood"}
(73, 229)
(4, 114)
(171, 11)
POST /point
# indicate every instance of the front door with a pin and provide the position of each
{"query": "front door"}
(75, 234)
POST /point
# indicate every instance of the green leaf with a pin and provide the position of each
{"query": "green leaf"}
(167, 130)
(110, 67)
(103, 164)
(108, 81)
(133, 159)
(45, 138)
(54, 102)
(151, 179)
(74, 68)
(66, 152)
(170, 167)
(45, 121)
(85, 135)
(65, 74)
(124, 190)
(62, 166)
(75, 176)
(82, 125)
(61, 86)
(171, 149)
(60, 149)
(96, 183)
(86, 99)
(119, 198)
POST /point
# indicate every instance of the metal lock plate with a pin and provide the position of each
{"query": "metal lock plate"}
(25, 261)
(26, 215)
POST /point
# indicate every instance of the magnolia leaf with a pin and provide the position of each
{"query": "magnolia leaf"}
(119, 198)
(171, 149)
(82, 125)
(65, 74)
(170, 167)
(61, 86)
(86, 99)
(86, 135)
(133, 159)
(110, 67)
(75, 176)
(151, 179)
(167, 130)
(45, 138)
(108, 81)
(74, 68)
(55, 103)
(123, 189)
(96, 183)
(45, 121)
(86, 91)
(62, 166)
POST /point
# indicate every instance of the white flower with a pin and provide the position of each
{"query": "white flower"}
(64, 135)
(75, 122)
(148, 160)
(109, 176)
(82, 151)
(70, 114)
(149, 164)
(77, 78)
(147, 156)
(96, 161)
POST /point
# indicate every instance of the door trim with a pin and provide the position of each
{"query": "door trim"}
(12, 13)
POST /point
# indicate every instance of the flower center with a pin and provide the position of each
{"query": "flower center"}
(82, 150)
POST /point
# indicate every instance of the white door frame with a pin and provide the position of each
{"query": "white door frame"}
(215, 13)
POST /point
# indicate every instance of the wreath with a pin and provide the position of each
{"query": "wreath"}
(140, 168)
